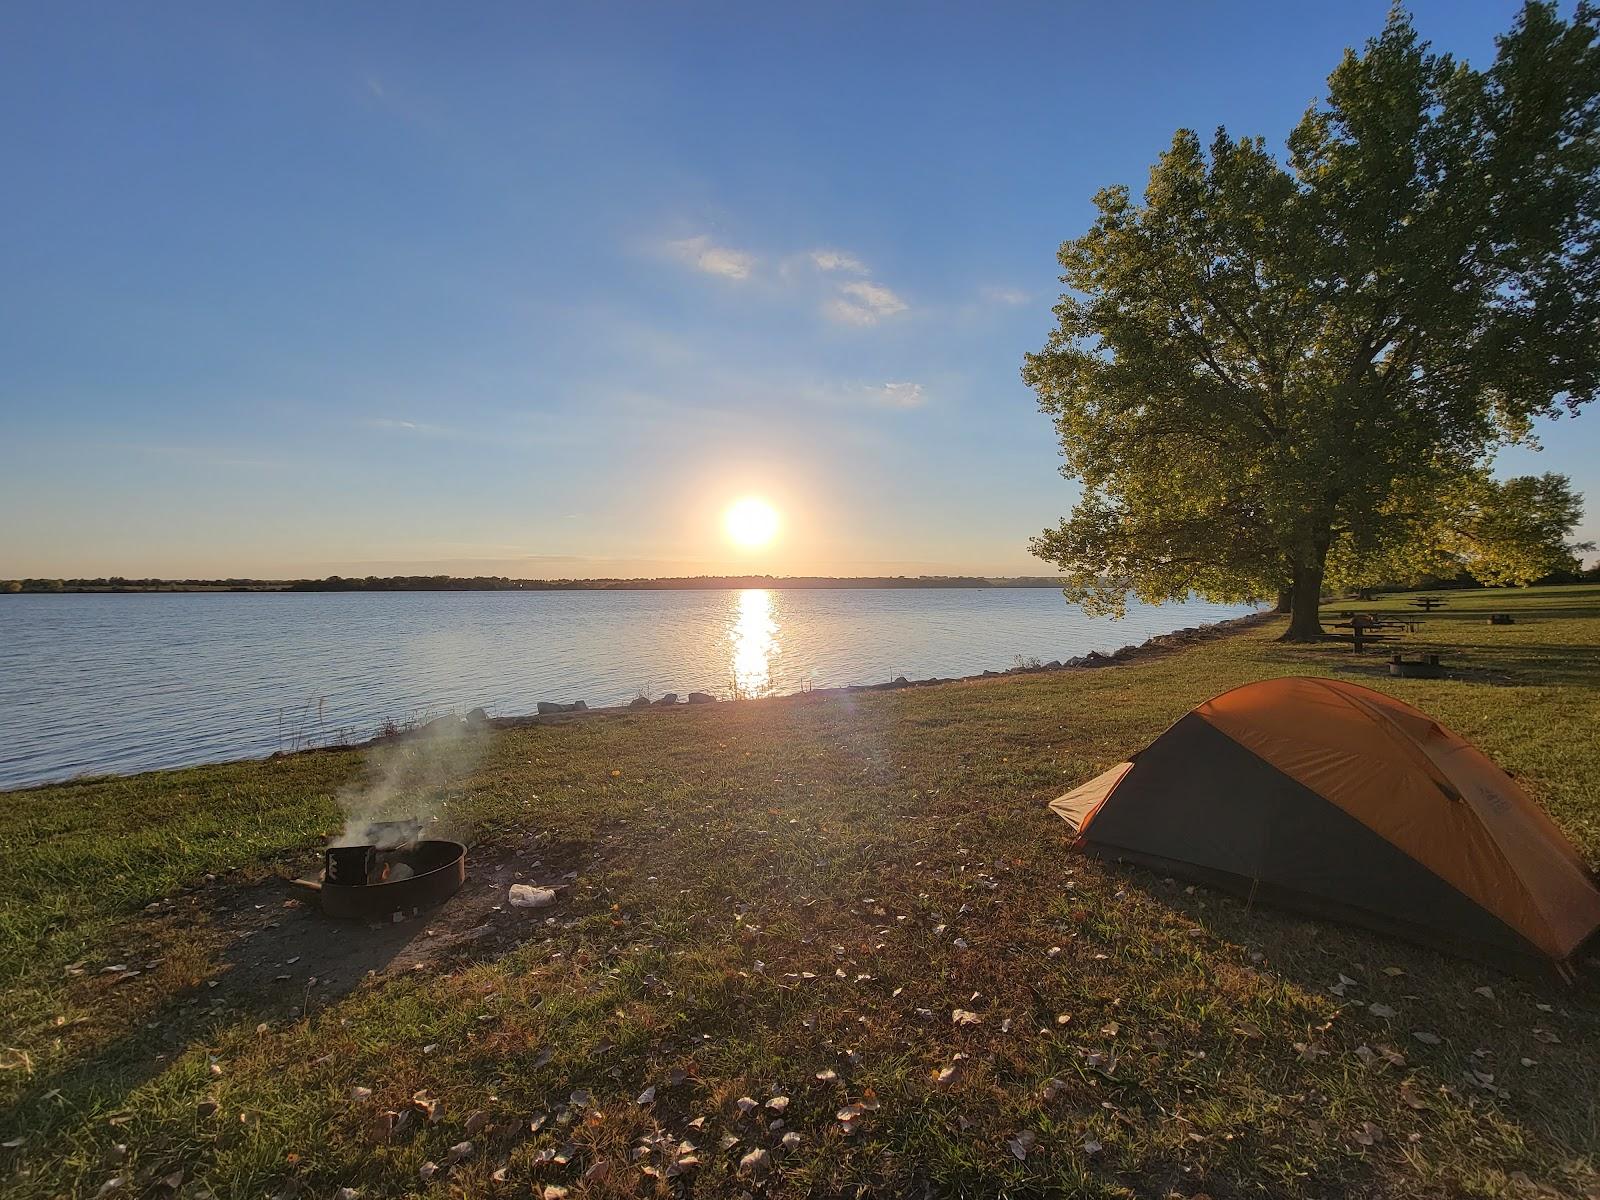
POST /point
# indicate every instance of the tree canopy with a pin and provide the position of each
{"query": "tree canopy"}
(1499, 532)
(1264, 359)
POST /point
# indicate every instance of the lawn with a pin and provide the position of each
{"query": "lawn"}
(771, 913)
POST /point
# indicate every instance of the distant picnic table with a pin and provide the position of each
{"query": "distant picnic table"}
(1428, 603)
(1366, 628)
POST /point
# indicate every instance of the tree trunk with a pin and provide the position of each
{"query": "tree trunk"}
(1305, 598)
(1285, 600)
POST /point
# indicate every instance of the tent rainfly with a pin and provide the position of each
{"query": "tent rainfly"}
(1339, 801)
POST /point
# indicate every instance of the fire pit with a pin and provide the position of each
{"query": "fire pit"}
(373, 883)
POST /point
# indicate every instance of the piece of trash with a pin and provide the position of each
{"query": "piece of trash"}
(523, 895)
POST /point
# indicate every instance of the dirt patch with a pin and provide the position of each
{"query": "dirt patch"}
(280, 953)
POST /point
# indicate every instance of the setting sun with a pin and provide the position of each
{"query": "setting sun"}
(751, 522)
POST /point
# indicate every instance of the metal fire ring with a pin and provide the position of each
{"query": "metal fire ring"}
(440, 869)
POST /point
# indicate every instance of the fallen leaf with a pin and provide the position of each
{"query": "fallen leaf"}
(1381, 1010)
(961, 1016)
(1021, 1144)
(647, 1096)
(1485, 991)
(757, 1163)
(1425, 1037)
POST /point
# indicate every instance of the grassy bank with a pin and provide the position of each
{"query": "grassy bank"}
(785, 902)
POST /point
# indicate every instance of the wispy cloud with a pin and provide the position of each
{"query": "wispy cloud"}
(898, 395)
(862, 302)
(1003, 295)
(838, 260)
(421, 429)
(703, 254)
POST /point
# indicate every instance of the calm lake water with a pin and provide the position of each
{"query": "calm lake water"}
(120, 683)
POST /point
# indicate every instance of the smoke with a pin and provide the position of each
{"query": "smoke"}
(404, 790)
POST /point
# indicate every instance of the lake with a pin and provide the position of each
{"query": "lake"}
(131, 682)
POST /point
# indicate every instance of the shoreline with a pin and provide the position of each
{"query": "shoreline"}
(1154, 646)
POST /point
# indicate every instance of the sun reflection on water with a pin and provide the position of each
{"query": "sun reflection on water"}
(755, 643)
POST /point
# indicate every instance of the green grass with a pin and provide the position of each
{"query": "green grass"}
(732, 861)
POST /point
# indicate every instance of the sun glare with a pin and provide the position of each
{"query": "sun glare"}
(751, 522)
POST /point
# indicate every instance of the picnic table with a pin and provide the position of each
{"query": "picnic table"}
(1364, 628)
(1428, 603)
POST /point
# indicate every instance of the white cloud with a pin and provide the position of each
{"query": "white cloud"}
(704, 255)
(1004, 295)
(412, 428)
(838, 260)
(863, 302)
(898, 395)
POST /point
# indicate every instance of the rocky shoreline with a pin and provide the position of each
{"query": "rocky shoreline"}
(1162, 643)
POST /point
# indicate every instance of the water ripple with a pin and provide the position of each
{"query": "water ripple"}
(97, 683)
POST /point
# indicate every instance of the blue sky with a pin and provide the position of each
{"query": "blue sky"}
(301, 289)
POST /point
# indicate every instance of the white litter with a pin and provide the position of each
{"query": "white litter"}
(523, 895)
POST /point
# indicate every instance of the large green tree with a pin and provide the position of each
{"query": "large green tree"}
(1498, 531)
(1258, 358)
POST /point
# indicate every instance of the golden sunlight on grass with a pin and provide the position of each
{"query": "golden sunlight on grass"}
(751, 522)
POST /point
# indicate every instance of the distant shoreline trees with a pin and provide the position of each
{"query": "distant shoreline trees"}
(1263, 368)
(494, 583)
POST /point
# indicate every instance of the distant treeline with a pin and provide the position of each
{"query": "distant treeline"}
(501, 583)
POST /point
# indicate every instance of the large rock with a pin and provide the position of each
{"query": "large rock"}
(639, 702)
(702, 698)
(669, 698)
(548, 708)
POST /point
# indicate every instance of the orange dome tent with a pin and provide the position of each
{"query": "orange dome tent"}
(1340, 801)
